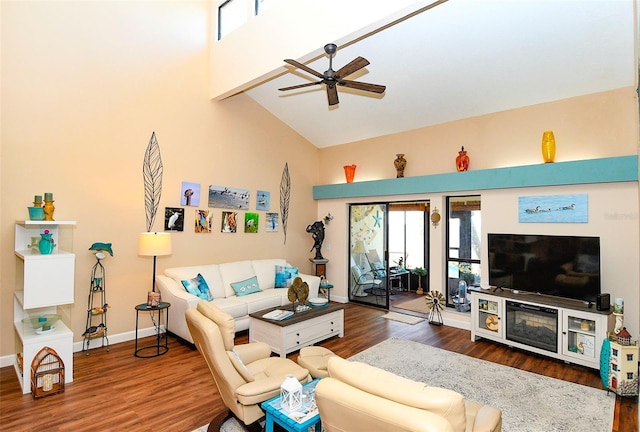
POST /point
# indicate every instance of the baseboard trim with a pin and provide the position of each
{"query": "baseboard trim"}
(10, 359)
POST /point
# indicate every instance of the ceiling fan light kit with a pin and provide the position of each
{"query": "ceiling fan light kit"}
(331, 79)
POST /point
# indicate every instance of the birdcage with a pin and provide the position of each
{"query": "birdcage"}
(47, 373)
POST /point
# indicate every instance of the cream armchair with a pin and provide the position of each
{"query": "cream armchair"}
(358, 397)
(245, 375)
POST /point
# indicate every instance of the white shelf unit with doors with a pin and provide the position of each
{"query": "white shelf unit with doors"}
(582, 336)
(486, 317)
(44, 285)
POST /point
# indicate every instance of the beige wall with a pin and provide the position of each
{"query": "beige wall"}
(84, 86)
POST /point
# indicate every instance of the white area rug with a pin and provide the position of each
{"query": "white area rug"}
(407, 319)
(529, 402)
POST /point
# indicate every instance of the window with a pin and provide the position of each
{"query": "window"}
(231, 15)
(463, 249)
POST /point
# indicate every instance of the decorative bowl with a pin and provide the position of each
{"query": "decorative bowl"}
(43, 324)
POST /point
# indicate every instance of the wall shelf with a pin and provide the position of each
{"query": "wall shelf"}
(604, 170)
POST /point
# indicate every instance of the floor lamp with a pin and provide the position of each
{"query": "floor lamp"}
(154, 244)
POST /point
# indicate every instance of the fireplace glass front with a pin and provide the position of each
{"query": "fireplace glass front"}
(532, 325)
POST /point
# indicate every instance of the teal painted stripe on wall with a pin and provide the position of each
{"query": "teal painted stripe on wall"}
(605, 170)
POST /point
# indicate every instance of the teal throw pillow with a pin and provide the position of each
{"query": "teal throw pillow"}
(245, 287)
(198, 287)
(285, 276)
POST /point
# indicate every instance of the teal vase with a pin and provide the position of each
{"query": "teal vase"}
(45, 244)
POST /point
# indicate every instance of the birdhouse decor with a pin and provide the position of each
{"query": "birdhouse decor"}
(291, 394)
(47, 373)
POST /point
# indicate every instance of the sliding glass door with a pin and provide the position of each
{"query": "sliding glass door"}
(368, 266)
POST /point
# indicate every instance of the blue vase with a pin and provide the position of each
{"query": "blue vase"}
(45, 244)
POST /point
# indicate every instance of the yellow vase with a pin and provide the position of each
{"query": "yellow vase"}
(548, 147)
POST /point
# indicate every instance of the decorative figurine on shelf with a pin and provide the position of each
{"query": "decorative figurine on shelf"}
(462, 160)
(548, 147)
(46, 243)
(317, 232)
(36, 212)
(48, 206)
(400, 163)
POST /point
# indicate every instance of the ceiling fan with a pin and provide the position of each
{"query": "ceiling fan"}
(331, 79)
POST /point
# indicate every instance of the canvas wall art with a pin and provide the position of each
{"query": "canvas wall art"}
(203, 221)
(190, 194)
(263, 200)
(554, 208)
(251, 222)
(173, 219)
(271, 224)
(229, 222)
(228, 197)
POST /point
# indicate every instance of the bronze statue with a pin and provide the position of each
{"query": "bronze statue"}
(317, 232)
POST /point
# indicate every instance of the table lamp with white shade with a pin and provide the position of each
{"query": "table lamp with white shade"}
(154, 244)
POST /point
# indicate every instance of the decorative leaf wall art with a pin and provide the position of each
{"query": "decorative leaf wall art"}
(152, 175)
(285, 196)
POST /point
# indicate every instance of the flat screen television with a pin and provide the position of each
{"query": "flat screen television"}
(562, 266)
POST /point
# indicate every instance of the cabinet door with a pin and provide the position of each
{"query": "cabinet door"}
(581, 338)
(487, 315)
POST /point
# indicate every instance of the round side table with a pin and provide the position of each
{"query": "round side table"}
(156, 313)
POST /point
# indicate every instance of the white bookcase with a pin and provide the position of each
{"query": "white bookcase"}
(44, 285)
(579, 332)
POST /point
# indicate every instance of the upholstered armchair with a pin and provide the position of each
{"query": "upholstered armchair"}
(359, 397)
(245, 375)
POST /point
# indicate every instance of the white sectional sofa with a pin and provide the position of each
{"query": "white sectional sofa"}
(219, 279)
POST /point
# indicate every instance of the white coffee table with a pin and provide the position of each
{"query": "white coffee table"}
(301, 330)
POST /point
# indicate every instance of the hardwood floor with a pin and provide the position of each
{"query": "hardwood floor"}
(115, 391)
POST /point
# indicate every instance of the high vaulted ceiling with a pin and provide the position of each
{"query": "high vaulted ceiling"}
(461, 59)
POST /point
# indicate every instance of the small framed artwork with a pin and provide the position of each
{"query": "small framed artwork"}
(228, 197)
(190, 194)
(251, 222)
(271, 224)
(263, 200)
(173, 219)
(229, 222)
(554, 208)
(203, 221)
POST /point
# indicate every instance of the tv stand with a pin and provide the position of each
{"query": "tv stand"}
(566, 329)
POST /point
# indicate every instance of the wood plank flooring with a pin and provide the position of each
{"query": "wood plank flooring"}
(115, 391)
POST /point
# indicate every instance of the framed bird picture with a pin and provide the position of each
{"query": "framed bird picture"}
(173, 219)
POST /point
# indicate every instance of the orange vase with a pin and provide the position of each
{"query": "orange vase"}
(462, 160)
(548, 147)
(349, 172)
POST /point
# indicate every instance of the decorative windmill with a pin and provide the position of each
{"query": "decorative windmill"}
(435, 303)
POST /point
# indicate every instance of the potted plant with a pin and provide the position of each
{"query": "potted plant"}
(420, 273)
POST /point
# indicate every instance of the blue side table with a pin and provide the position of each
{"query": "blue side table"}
(276, 414)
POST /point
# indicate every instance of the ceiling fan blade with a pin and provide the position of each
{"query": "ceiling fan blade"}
(355, 65)
(300, 86)
(332, 94)
(375, 88)
(303, 67)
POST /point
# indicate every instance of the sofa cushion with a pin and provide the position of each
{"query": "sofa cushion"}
(245, 287)
(210, 273)
(234, 272)
(265, 270)
(285, 276)
(198, 287)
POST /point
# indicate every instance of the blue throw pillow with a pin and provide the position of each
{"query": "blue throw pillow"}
(285, 276)
(198, 287)
(245, 287)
